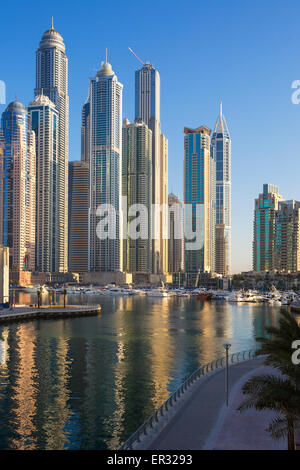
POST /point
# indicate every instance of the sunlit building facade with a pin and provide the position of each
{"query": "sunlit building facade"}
(17, 187)
(52, 81)
(221, 143)
(199, 200)
(105, 98)
(137, 189)
(147, 108)
(79, 200)
(265, 208)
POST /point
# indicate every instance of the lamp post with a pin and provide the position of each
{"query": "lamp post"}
(227, 347)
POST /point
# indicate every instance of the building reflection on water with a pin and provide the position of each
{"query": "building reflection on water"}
(89, 383)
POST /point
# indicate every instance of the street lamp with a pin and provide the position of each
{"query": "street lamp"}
(227, 346)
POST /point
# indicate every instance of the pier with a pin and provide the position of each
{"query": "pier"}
(31, 313)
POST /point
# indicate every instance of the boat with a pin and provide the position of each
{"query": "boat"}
(204, 296)
(157, 293)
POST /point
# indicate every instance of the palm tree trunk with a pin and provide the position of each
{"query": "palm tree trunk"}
(291, 434)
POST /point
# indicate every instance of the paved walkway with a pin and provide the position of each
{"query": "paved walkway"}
(204, 422)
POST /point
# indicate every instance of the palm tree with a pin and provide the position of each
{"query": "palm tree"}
(277, 347)
(278, 393)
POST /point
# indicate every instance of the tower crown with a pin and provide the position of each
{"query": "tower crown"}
(52, 38)
(16, 106)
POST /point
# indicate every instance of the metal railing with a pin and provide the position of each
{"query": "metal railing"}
(175, 396)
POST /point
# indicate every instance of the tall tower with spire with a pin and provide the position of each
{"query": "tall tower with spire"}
(221, 142)
(52, 81)
(105, 160)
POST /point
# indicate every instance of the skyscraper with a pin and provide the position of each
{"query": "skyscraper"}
(175, 244)
(147, 108)
(79, 201)
(287, 236)
(17, 187)
(52, 81)
(265, 208)
(44, 123)
(105, 97)
(137, 188)
(221, 143)
(199, 199)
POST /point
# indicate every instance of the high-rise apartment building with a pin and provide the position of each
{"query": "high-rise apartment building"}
(221, 144)
(137, 188)
(265, 209)
(17, 187)
(175, 234)
(287, 236)
(199, 200)
(147, 108)
(105, 98)
(44, 123)
(79, 202)
(52, 81)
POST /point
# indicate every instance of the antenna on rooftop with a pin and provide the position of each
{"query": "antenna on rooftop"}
(136, 56)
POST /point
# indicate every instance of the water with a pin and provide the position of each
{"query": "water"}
(88, 383)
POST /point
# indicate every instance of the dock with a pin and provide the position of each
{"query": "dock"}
(32, 313)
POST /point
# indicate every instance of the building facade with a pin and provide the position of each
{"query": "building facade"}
(221, 144)
(175, 242)
(85, 131)
(265, 208)
(17, 187)
(137, 189)
(44, 123)
(79, 201)
(147, 109)
(105, 98)
(199, 200)
(4, 274)
(52, 81)
(287, 236)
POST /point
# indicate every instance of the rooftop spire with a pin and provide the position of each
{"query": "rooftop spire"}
(221, 125)
(106, 55)
(52, 27)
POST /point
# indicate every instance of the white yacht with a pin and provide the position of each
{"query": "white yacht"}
(160, 292)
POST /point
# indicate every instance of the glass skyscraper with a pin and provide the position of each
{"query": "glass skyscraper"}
(221, 143)
(199, 200)
(105, 98)
(52, 81)
(17, 187)
(44, 123)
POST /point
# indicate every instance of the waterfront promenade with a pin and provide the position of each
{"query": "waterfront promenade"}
(204, 422)
(23, 313)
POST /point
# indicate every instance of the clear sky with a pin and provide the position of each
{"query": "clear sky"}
(245, 53)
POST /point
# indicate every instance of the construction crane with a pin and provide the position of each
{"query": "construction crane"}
(136, 56)
(197, 279)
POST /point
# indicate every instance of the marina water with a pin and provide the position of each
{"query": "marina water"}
(88, 383)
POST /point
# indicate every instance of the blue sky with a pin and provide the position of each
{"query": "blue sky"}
(245, 53)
